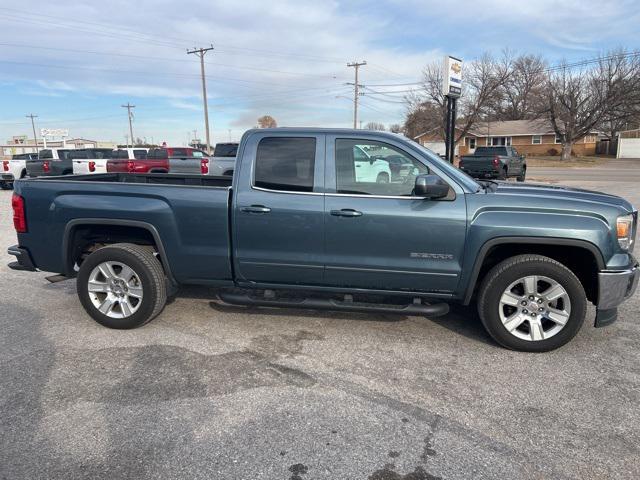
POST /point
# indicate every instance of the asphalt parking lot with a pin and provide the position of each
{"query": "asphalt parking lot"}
(217, 392)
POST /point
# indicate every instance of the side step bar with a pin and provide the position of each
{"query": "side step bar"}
(433, 310)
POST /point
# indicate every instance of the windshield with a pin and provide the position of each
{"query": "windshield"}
(456, 173)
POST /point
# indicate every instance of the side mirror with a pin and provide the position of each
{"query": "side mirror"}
(430, 186)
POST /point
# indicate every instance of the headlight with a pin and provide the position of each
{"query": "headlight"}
(624, 230)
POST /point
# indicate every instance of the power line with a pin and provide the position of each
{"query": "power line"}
(119, 31)
(201, 52)
(164, 59)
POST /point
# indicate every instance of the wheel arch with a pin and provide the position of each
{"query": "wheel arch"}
(583, 258)
(135, 231)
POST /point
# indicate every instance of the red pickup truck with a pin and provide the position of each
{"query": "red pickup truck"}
(136, 160)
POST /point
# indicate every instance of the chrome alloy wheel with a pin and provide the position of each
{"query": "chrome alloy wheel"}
(115, 289)
(534, 308)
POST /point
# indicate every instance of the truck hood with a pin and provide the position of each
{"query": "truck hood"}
(559, 193)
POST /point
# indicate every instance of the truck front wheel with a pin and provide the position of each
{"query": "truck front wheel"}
(531, 303)
(122, 285)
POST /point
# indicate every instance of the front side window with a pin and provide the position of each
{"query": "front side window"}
(44, 154)
(285, 164)
(367, 167)
(140, 154)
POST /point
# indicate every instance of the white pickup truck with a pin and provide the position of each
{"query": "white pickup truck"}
(15, 169)
(90, 160)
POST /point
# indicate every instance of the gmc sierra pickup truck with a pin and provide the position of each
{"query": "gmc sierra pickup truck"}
(296, 226)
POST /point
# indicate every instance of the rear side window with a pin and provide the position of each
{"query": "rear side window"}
(123, 154)
(46, 154)
(285, 164)
(140, 154)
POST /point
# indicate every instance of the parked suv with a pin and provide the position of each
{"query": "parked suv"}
(90, 160)
(50, 162)
(14, 169)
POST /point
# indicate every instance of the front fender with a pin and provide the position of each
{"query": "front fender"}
(490, 228)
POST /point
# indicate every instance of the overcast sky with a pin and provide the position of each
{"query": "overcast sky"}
(74, 63)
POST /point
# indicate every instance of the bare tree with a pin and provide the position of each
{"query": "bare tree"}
(375, 126)
(483, 80)
(395, 128)
(523, 92)
(267, 121)
(580, 100)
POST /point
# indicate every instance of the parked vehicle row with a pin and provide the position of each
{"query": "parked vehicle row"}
(87, 161)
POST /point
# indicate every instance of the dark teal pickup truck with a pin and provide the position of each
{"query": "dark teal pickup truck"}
(303, 224)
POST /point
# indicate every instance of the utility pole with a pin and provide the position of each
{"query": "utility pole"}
(356, 90)
(33, 125)
(130, 114)
(200, 52)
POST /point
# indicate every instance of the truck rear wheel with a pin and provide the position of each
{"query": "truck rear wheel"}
(531, 303)
(122, 285)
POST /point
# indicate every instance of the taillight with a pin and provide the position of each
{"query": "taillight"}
(496, 162)
(92, 166)
(46, 167)
(204, 166)
(131, 166)
(5, 165)
(19, 218)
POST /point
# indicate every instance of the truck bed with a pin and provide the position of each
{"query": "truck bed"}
(189, 215)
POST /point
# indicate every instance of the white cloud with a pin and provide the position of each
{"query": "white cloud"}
(284, 57)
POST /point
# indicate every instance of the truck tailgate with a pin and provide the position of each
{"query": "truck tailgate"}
(184, 165)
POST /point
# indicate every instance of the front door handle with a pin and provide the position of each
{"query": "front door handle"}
(256, 209)
(346, 212)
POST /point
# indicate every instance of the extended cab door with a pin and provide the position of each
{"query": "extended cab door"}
(279, 209)
(380, 236)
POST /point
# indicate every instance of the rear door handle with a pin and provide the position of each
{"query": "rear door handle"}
(346, 212)
(256, 209)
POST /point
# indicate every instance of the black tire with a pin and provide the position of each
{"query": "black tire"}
(523, 175)
(6, 185)
(146, 266)
(510, 270)
(382, 178)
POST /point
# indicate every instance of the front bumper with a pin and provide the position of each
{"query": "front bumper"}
(23, 258)
(7, 177)
(614, 287)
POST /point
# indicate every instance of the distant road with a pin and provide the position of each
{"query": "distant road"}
(615, 170)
